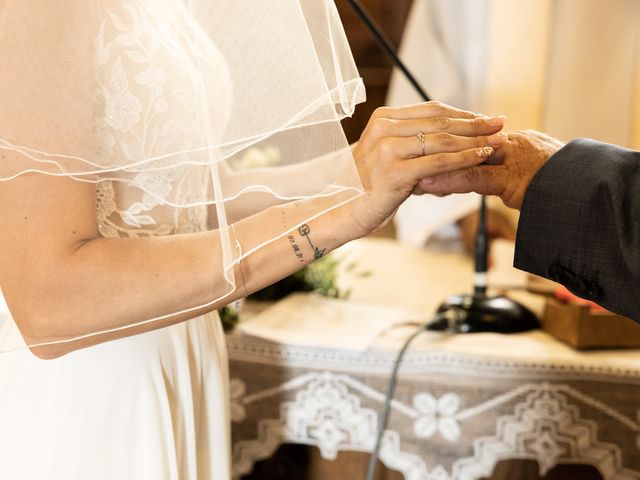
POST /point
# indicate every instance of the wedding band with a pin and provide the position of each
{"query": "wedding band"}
(420, 136)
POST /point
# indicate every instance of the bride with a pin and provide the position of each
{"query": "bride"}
(160, 159)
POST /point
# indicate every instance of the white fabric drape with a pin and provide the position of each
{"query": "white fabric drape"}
(570, 68)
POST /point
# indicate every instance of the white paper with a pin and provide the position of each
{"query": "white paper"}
(310, 320)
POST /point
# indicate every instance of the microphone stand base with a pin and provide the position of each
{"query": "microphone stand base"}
(479, 313)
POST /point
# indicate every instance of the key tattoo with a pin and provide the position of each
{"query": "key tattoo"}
(304, 231)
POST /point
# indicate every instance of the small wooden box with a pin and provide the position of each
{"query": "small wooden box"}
(583, 328)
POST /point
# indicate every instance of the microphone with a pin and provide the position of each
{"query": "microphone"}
(475, 312)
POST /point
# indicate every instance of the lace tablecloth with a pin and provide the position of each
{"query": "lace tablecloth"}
(463, 403)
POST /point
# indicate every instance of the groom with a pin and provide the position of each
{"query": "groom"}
(580, 212)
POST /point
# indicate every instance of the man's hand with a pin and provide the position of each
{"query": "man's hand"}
(506, 174)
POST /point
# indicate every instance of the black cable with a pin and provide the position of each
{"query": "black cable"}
(386, 407)
(387, 46)
(481, 247)
(440, 321)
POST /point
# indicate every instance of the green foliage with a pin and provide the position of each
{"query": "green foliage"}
(319, 277)
(229, 316)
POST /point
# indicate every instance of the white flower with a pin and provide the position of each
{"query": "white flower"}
(123, 111)
(156, 185)
(133, 218)
(438, 473)
(151, 77)
(329, 435)
(237, 389)
(122, 107)
(437, 416)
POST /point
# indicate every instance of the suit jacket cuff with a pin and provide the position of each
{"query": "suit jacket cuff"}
(579, 224)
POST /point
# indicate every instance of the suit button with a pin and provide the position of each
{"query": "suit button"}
(555, 271)
(594, 291)
(579, 286)
(567, 278)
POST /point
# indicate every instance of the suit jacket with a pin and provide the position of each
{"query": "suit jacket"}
(580, 224)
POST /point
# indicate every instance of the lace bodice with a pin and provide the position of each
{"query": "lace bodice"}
(162, 107)
(149, 101)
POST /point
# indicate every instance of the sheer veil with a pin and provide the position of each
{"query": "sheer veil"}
(187, 115)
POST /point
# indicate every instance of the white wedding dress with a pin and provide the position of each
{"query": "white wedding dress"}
(161, 102)
(148, 407)
(153, 406)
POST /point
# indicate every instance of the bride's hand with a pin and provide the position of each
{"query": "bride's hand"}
(401, 145)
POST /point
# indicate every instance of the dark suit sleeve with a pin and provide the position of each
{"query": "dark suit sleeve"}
(580, 224)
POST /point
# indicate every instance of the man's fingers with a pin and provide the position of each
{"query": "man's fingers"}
(441, 163)
(483, 179)
(542, 137)
(497, 158)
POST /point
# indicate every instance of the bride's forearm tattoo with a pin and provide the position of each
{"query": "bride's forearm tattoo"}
(296, 248)
(304, 231)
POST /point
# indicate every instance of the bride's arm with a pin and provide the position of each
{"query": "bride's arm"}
(61, 280)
